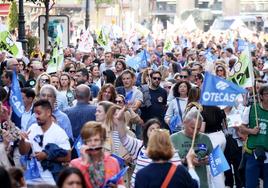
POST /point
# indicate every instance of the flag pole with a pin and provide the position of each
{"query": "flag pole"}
(195, 128)
(251, 74)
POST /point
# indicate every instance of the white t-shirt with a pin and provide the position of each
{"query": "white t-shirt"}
(56, 135)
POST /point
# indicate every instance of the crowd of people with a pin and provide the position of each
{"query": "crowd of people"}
(145, 117)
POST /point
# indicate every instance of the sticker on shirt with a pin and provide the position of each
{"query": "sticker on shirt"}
(143, 155)
(160, 99)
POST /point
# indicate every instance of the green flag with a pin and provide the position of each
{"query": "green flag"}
(242, 72)
(7, 43)
(102, 38)
(168, 45)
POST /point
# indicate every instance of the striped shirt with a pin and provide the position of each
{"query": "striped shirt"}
(138, 152)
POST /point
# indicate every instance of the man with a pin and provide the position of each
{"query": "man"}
(49, 92)
(154, 99)
(37, 69)
(45, 132)
(256, 149)
(82, 112)
(13, 64)
(82, 77)
(133, 95)
(108, 64)
(28, 96)
(6, 78)
(203, 147)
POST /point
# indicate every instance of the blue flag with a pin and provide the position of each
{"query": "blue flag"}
(117, 177)
(217, 162)
(139, 61)
(77, 145)
(119, 159)
(15, 98)
(218, 91)
(241, 45)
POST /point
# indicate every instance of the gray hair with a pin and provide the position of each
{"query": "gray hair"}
(10, 62)
(192, 114)
(50, 87)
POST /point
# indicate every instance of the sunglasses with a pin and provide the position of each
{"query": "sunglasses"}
(94, 149)
(183, 76)
(167, 87)
(71, 71)
(44, 81)
(219, 70)
(39, 140)
(156, 78)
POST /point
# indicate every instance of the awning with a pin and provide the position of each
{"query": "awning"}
(4, 9)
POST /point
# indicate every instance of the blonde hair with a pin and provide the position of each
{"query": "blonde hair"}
(37, 86)
(160, 146)
(93, 128)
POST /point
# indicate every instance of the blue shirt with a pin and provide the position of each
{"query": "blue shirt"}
(62, 120)
(79, 115)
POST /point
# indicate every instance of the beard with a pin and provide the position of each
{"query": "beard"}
(40, 123)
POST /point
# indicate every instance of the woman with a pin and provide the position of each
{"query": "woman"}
(65, 88)
(94, 69)
(71, 178)
(221, 71)
(101, 110)
(177, 106)
(42, 79)
(199, 77)
(109, 76)
(160, 150)
(96, 165)
(136, 147)
(107, 93)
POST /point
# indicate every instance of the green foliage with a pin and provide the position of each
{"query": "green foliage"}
(32, 41)
(98, 2)
(13, 16)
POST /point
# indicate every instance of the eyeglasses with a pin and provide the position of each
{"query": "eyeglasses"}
(119, 101)
(71, 71)
(156, 78)
(39, 139)
(183, 76)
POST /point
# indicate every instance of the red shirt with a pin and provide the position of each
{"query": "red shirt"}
(111, 168)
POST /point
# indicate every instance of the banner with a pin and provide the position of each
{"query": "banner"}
(15, 98)
(8, 44)
(242, 71)
(218, 91)
(86, 42)
(217, 162)
(56, 62)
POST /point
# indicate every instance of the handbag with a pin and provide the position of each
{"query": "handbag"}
(170, 174)
(176, 120)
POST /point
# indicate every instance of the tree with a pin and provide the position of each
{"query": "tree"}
(13, 18)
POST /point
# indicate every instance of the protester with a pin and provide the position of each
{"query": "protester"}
(47, 143)
(71, 178)
(97, 166)
(160, 172)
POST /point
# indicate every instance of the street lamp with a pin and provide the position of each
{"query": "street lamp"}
(22, 38)
(87, 14)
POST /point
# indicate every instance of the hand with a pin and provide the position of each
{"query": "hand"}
(84, 154)
(191, 158)
(40, 156)
(255, 130)
(24, 136)
(6, 137)
(119, 118)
